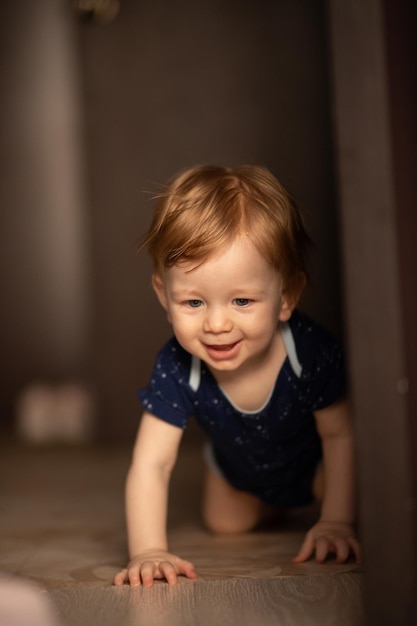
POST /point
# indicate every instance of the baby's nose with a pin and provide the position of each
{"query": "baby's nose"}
(217, 320)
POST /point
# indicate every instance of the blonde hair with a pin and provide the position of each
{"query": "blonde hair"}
(206, 207)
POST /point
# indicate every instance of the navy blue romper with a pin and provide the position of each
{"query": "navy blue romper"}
(272, 453)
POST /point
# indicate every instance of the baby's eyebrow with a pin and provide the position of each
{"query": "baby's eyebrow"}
(248, 291)
(183, 293)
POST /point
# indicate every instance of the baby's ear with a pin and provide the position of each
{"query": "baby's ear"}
(291, 297)
(159, 288)
(287, 307)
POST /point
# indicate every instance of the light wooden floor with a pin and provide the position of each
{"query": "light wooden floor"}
(62, 527)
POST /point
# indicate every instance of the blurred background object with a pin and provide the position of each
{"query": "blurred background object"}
(100, 10)
(23, 604)
(63, 413)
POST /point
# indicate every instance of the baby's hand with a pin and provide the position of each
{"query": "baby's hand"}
(147, 566)
(326, 538)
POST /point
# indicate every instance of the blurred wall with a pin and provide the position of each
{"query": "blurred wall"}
(44, 262)
(163, 86)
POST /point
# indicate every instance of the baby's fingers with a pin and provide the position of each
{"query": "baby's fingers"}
(144, 573)
(121, 577)
(322, 549)
(167, 571)
(342, 550)
(128, 575)
(186, 569)
(305, 551)
(148, 572)
(355, 547)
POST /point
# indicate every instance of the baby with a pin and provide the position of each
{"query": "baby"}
(264, 382)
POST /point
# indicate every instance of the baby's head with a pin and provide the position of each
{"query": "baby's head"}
(206, 207)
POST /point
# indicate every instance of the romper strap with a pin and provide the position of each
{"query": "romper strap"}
(195, 373)
(289, 343)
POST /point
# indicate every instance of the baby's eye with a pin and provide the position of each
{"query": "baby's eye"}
(194, 304)
(241, 301)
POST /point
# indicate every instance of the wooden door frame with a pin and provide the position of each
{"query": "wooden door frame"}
(378, 204)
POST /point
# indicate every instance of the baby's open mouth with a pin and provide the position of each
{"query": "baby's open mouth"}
(222, 347)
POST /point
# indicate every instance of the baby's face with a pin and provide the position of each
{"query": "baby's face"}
(226, 310)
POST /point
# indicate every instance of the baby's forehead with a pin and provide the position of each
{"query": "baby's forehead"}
(239, 258)
(239, 244)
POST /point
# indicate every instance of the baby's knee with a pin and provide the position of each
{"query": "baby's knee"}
(227, 510)
(221, 522)
(227, 525)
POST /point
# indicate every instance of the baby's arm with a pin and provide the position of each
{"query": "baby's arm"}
(334, 532)
(154, 457)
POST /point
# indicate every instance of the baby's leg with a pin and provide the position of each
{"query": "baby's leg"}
(228, 510)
